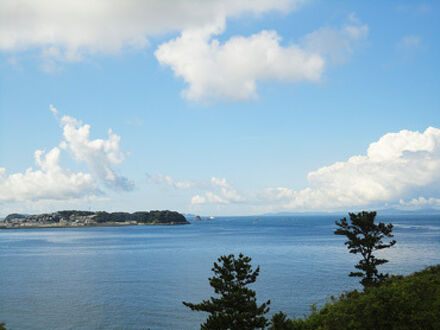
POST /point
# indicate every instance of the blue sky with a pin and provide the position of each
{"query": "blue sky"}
(219, 107)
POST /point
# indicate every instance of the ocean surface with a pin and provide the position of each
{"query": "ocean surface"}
(137, 277)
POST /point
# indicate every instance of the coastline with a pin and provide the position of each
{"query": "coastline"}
(82, 219)
(107, 224)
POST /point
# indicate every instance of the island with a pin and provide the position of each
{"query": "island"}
(75, 218)
(198, 218)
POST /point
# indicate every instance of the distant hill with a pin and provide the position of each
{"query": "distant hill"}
(291, 214)
(389, 211)
(409, 212)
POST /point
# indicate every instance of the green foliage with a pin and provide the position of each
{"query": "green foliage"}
(14, 216)
(236, 308)
(68, 213)
(2, 326)
(366, 237)
(280, 321)
(165, 217)
(401, 303)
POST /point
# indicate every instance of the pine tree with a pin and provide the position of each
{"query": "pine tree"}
(366, 237)
(236, 307)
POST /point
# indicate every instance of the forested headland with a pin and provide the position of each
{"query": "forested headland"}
(76, 218)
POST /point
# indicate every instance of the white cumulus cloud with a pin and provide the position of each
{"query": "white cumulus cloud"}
(230, 70)
(400, 165)
(401, 169)
(70, 30)
(50, 181)
(100, 155)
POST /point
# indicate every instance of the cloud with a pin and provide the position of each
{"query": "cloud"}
(14, 63)
(337, 45)
(230, 70)
(399, 165)
(136, 122)
(53, 110)
(52, 182)
(228, 193)
(218, 71)
(409, 45)
(216, 190)
(400, 169)
(100, 155)
(420, 202)
(415, 8)
(221, 192)
(167, 180)
(70, 30)
(409, 42)
(197, 199)
(66, 30)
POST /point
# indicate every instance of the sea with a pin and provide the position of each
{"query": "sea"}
(137, 277)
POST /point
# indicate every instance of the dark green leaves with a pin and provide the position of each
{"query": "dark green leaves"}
(405, 303)
(236, 307)
(364, 238)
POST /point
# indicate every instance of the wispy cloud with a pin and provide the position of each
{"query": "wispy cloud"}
(409, 46)
(169, 181)
(414, 8)
(15, 63)
(136, 121)
(337, 44)
(409, 42)
(215, 190)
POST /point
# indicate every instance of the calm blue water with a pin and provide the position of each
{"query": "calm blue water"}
(137, 277)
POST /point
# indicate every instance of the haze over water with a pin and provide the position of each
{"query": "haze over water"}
(137, 277)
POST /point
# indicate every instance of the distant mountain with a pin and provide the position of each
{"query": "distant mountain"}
(292, 214)
(389, 211)
(409, 212)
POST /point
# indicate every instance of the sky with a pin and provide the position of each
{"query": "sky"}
(219, 107)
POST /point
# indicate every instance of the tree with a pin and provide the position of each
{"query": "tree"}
(280, 321)
(2, 326)
(409, 302)
(366, 237)
(236, 308)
